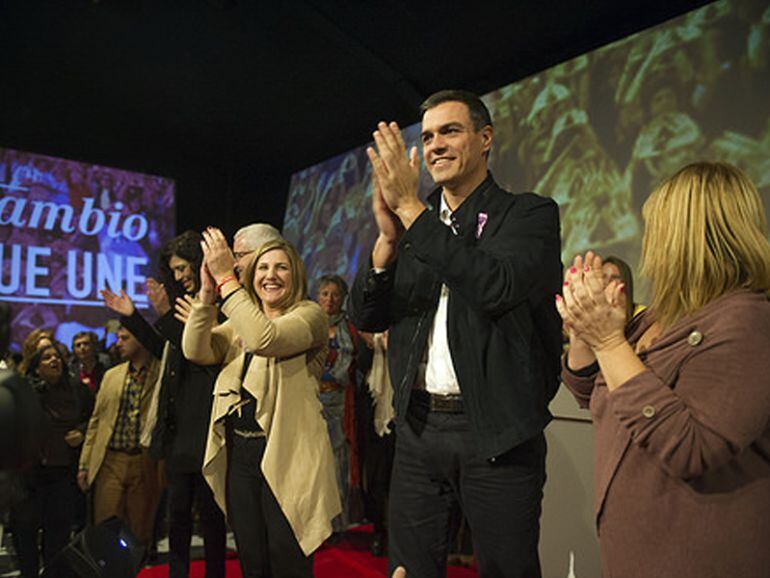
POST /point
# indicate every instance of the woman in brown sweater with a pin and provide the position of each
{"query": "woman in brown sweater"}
(681, 397)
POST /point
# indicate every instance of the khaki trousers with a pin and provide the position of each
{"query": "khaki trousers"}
(127, 487)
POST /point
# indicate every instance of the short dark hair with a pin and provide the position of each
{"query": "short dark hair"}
(90, 334)
(188, 247)
(478, 111)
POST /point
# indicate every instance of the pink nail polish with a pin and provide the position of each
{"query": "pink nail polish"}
(566, 283)
(558, 297)
(586, 268)
(572, 270)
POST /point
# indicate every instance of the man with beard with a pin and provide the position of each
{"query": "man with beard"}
(112, 459)
(183, 407)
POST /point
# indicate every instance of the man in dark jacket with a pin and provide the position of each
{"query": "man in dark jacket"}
(466, 285)
(183, 407)
(87, 363)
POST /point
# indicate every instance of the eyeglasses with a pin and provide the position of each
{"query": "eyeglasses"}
(241, 254)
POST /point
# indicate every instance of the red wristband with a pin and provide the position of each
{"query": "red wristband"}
(222, 283)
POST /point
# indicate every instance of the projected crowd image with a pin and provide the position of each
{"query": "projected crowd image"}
(69, 229)
(596, 133)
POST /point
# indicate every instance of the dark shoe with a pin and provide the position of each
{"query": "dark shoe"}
(464, 560)
(377, 547)
(151, 557)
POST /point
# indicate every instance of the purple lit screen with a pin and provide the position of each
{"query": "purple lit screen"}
(69, 229)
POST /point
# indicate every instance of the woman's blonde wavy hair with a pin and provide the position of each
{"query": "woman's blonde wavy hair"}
(298, 290)
(705, 236)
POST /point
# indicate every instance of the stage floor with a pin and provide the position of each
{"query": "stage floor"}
(350, 558)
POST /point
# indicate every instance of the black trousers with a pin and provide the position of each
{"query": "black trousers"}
(184, 490)
(266, 543)
(376, 459)
(377, 462)
(435, 466)
(47, 505)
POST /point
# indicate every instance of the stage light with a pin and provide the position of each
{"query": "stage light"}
(108, 550)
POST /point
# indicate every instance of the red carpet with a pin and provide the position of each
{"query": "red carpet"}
(348, 559)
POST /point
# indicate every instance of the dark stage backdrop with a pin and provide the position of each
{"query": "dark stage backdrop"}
(69, 229)
(595, 133)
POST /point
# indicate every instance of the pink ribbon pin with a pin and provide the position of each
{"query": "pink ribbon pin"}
(481, 223)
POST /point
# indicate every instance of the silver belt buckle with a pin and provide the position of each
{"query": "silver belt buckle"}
(249, 434)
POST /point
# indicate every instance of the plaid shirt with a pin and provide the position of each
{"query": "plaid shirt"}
(127, 425)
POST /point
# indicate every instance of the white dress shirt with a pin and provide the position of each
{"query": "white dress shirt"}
(437, 373)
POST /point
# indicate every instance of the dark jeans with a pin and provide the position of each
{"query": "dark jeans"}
(48, 505)
(184, 490)
(266, 543)
(436, 466)
(81, 509)
(160, 523)
(377, 461)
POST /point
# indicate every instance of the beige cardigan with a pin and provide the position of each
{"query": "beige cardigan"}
(289, 353)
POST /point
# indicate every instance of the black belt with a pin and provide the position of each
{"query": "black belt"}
(452, 403)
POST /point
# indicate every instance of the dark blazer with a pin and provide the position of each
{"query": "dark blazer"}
(67, 406)
(682, 462)
(503, 329)
(98, 374)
